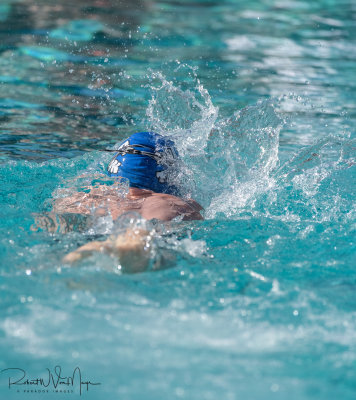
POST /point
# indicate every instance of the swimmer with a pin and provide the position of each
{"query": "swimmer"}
(145, 159)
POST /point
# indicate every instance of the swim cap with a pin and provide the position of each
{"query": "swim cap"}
(145, 159)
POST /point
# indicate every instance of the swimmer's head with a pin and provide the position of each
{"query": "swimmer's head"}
(145, 159)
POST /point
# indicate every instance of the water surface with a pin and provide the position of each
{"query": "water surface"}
(260, 98)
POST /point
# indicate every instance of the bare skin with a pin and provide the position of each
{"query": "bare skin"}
(132, 246)
(147, 203)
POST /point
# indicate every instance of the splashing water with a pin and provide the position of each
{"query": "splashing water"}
(243, 151)
(260, 215)
(182, 113)
(259, 302)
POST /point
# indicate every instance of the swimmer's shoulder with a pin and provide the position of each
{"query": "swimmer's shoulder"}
(165, 207)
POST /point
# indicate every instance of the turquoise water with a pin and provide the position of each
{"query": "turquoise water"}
(260, 98)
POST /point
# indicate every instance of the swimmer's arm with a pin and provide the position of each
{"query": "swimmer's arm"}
(131, 247)
(166, 208)
(133, 250)
(97, 198)
(86, 250)
(193, 211)
(76, 204)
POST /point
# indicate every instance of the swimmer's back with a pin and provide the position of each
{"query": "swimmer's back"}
(148, 204)
(166, 207)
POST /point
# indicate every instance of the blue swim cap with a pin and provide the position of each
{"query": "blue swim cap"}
(145, 159)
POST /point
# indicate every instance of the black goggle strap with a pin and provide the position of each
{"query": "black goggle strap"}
(131, 150)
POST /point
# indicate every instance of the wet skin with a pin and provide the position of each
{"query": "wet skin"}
(131, 247)
(147, 203)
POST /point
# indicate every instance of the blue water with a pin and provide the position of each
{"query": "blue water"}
(260, 97)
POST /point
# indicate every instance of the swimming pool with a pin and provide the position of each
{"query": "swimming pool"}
(260, 98)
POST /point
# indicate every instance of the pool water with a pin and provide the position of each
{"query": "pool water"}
(260, 98)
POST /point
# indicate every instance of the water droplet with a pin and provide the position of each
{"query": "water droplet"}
(274, 387)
